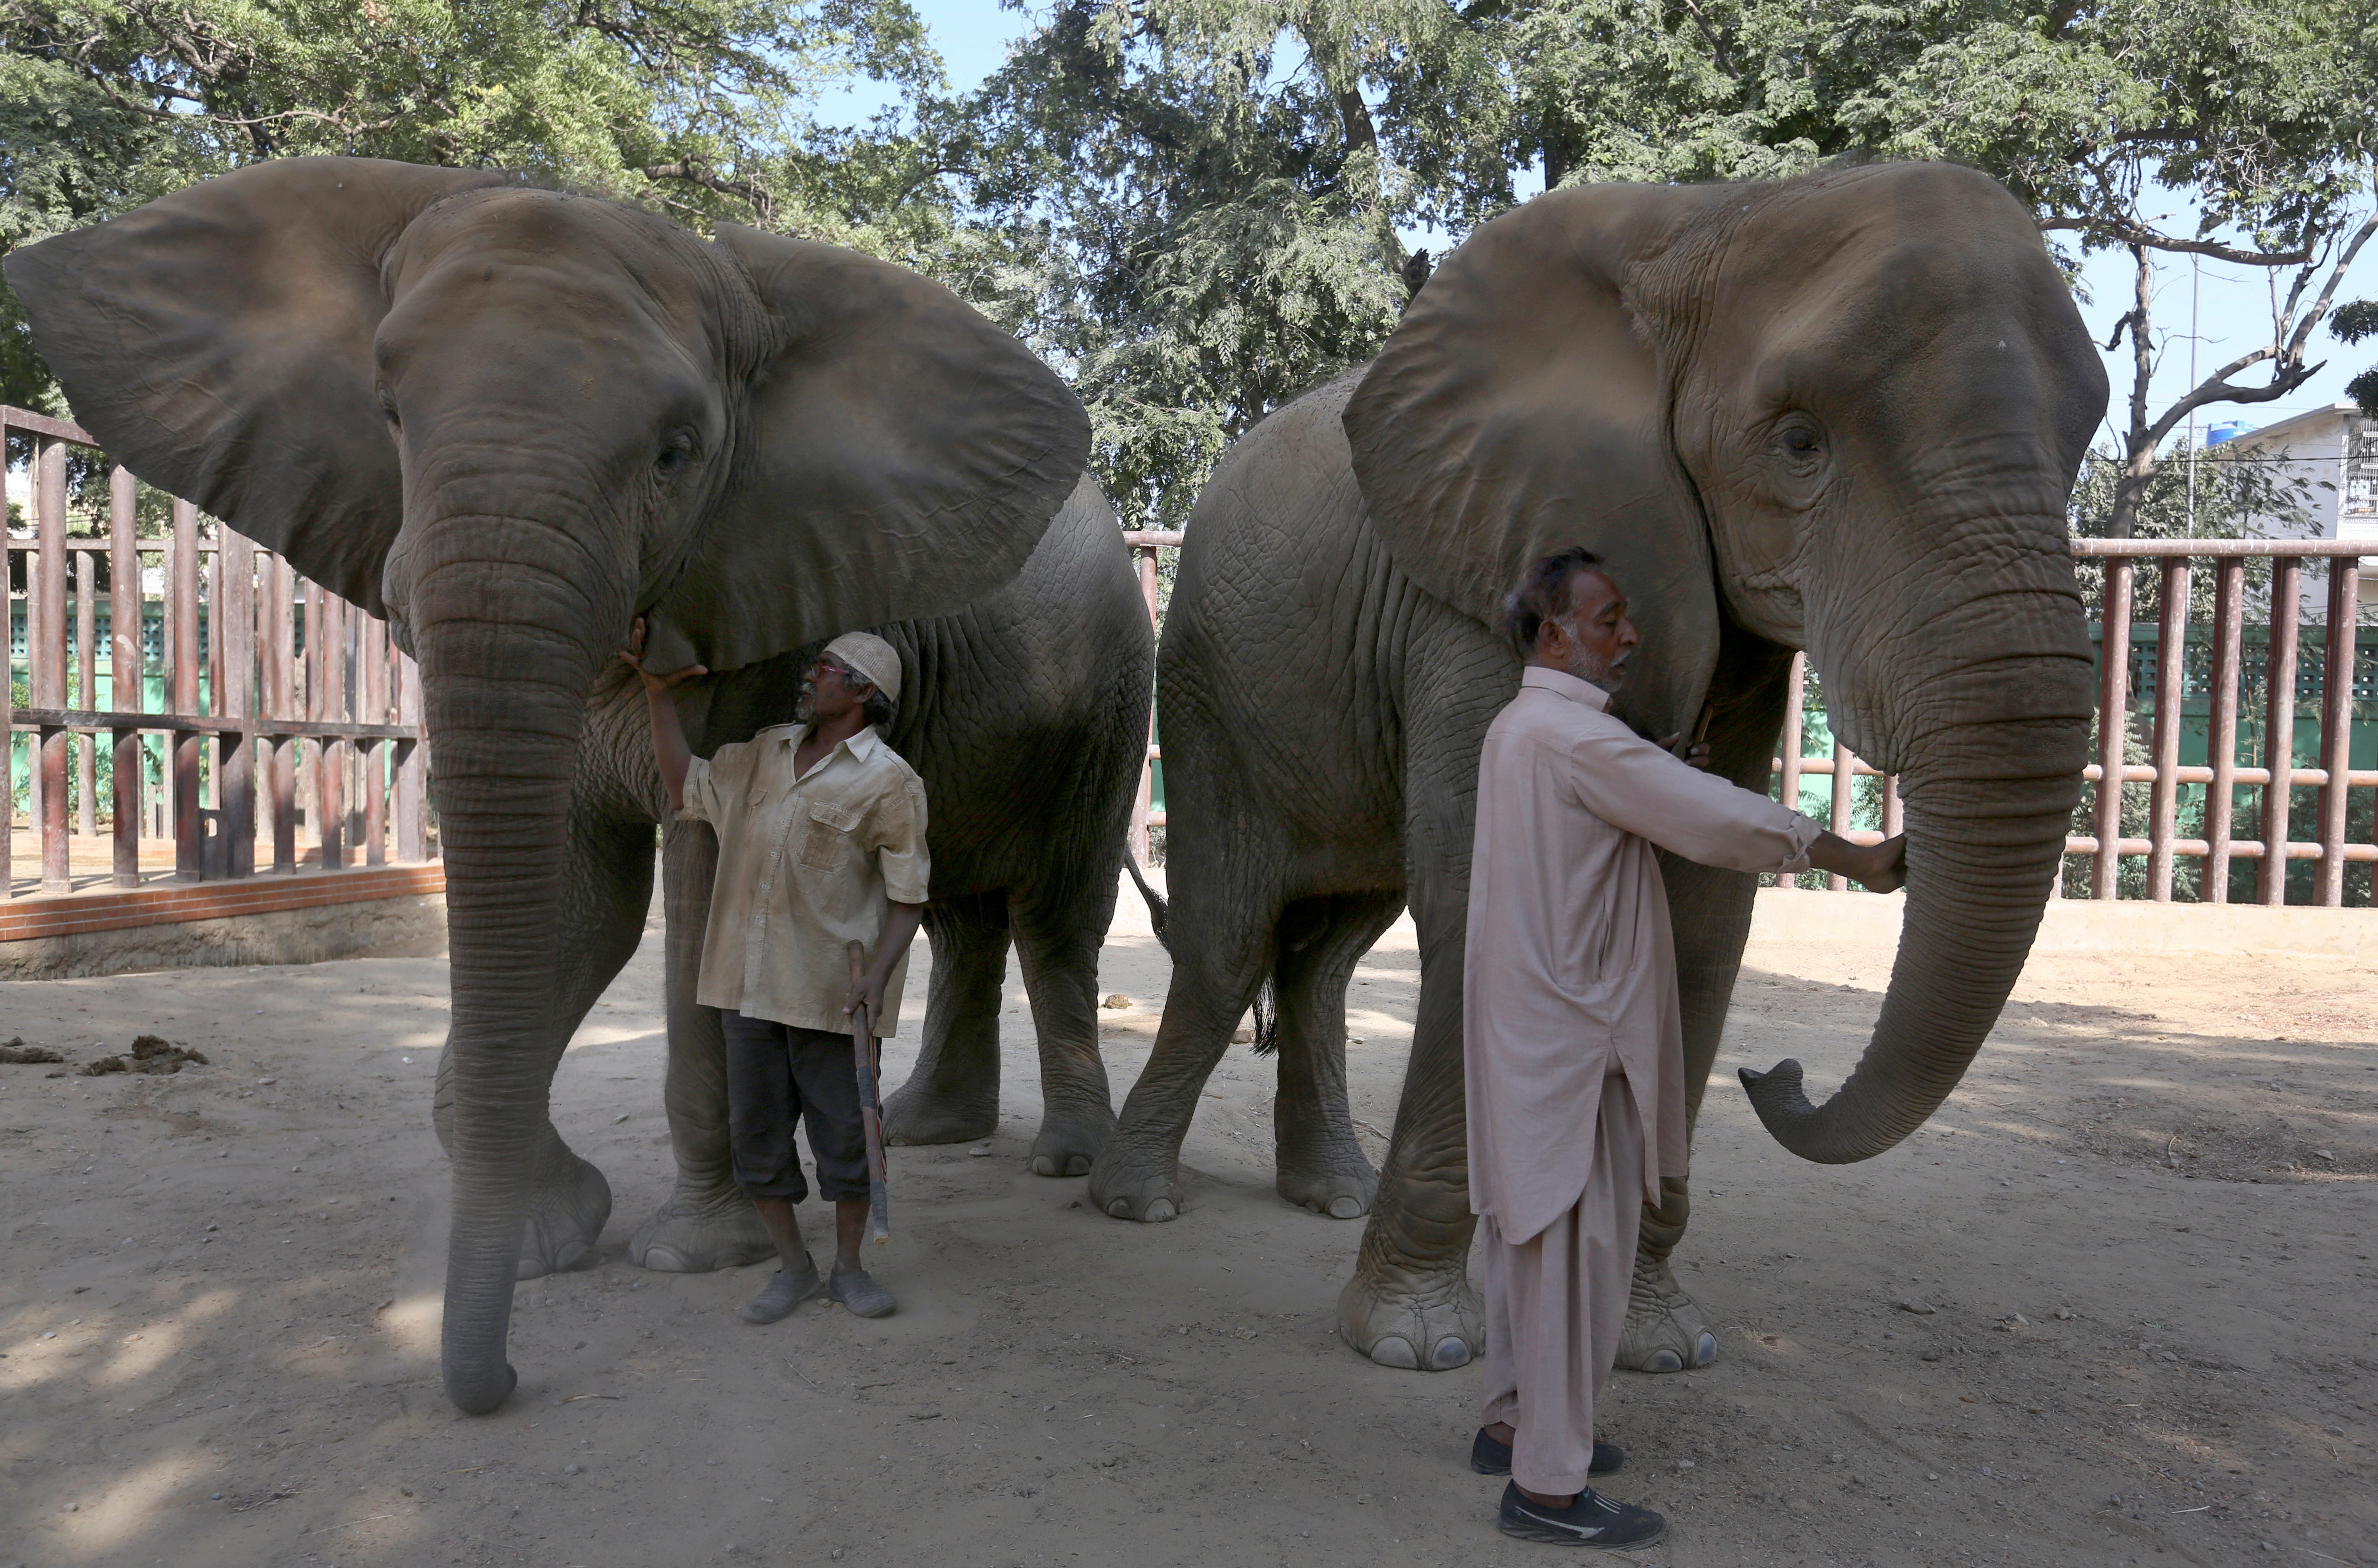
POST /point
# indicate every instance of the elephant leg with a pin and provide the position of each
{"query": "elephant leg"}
(1059, 952)
(1320, 1165)
(706, 1223)
(1215, 973)
(606, 889)
(952, 1094)
(1709, 909)
(1409, 1304)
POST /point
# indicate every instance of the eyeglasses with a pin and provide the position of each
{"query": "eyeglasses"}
(851, 679)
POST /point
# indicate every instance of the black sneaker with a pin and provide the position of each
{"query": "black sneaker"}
(1592, 1520)
(1491, 1458)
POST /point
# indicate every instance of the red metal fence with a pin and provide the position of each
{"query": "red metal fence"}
(262, 698)
(2141, 680)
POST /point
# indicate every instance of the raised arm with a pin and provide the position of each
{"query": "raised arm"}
(669, 747)
(1635, 785)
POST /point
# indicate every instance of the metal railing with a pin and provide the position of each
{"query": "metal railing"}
(2156, 701)
(262, 695)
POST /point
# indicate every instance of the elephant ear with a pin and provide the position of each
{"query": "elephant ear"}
(218, 342)
(1518, 408)
(904, 457)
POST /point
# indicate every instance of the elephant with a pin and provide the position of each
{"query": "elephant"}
(510, 420)
(1839, 413)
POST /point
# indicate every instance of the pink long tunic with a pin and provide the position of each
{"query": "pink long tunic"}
(1571, 971)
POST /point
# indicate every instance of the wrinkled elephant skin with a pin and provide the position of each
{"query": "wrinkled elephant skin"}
(512, 420)
(1840, 414)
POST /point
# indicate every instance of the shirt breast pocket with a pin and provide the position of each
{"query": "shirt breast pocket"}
(826, 832)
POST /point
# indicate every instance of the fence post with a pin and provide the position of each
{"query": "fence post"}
(1844, 788)
(1787, 757)
(2171, 662)
(2113, 728)
(2221, 734)
(2279, 727)
(329, 756)
(373, 656)
(411, 802)
(182, 591)
(123, 668)
(86, 580)
(2336, 723)
(47, 654)
(235, 754)
(279, 702)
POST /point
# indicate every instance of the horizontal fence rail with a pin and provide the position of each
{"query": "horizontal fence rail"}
(2232, 686)
(223, 695)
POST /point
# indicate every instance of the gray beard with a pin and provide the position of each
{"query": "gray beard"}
(1593, 671)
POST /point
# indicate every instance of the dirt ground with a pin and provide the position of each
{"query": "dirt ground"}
(2144, 1228)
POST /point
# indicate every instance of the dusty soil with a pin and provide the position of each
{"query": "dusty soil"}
(2144, 1227)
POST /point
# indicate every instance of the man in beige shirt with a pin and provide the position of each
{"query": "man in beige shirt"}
(821, 842)
(1573, 1049)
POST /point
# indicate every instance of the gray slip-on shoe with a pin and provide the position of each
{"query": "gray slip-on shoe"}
(859, 1292)
(786, 1289)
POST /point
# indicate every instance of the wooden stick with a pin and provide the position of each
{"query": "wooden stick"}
(863, 1049)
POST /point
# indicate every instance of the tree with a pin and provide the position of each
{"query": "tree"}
(698, 108)
(2351, 324)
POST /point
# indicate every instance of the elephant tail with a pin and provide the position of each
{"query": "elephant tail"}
(1159, 911)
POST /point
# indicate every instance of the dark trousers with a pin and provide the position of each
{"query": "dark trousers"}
(776, 1075)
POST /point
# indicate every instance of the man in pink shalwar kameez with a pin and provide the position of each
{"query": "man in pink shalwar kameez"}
(1573, 1044)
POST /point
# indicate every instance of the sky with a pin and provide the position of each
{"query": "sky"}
(2232, 304)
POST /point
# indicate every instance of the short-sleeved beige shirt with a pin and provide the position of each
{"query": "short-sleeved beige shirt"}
(805, 866)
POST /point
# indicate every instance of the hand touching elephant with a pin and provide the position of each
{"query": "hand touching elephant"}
(512, 420)
(1841, 413)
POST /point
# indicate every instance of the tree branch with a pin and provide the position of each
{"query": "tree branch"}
(2136, 234)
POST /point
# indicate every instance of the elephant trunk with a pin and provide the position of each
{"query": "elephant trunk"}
(507, 663)
(1988, 792)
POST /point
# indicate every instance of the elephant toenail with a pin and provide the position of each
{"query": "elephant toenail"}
(1451, 1352)
(1395, 1350)
(1119, 1209)
(1161, 1211)
(1664, 1361)
(1043, 1166)
(661, 1259)
(1705, 1349)
(1077, 1165)
(1345, 1208)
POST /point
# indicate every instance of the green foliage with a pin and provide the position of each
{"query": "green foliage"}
(1196, 208)
(2351, 323)
(699, 108)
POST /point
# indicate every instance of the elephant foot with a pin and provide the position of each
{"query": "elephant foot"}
(1665, 1331)
(917, 1112)
(695, 1233)
(1129, 1190)
(1070, 1145)
(1413, 1322)
(1339, 1194)
(567, 1210)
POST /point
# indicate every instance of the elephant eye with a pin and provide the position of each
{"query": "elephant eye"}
(388, 410)
(673, 458)
(1799, 439)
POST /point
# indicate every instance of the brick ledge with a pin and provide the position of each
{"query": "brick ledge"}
(165, 904)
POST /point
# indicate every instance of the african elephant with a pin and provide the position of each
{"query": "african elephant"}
(510, 420)
(1840, 414)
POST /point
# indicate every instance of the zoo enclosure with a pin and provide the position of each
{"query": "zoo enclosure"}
(2224, 668)
(249, 691)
